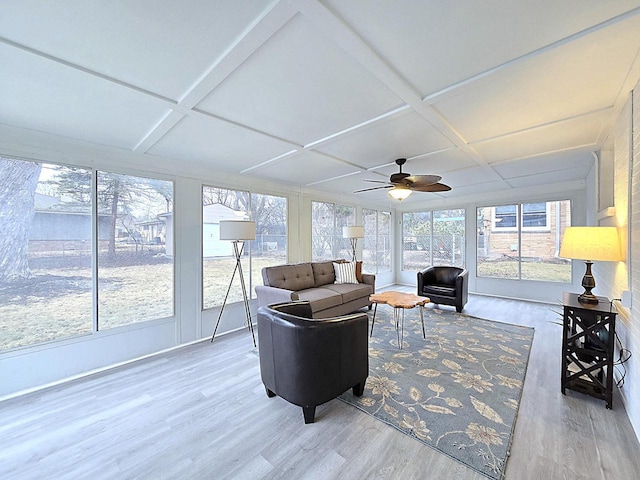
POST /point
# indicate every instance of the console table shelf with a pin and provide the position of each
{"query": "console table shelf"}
(588, 346)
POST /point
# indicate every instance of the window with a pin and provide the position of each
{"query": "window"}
(218, 260)
(534, 217)
(376, 250)
(327, 220)
(270, 246)
(433, 238)
(506, 216)
(135, 249)
(47, 215)
(45, 253)
(528, 249)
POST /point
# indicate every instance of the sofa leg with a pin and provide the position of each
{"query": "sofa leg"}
(358, 389)
(270, 394)
(458, 309)
(309, 414)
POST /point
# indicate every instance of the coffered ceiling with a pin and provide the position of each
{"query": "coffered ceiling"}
(490, 95)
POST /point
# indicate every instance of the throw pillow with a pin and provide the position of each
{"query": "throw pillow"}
(359, 272)
(345, 272)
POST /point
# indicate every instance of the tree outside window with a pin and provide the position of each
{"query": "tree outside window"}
(47, 248)
(376, 251)
(327, 220)
(135, 249)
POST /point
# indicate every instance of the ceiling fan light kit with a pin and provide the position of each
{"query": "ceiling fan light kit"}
(402, 184)
(399, 192)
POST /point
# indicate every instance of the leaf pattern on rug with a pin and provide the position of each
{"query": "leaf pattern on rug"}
(456, 390)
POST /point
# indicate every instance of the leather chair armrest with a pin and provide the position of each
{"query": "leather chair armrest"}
(424, 277)
(300, 308)
(462, 287)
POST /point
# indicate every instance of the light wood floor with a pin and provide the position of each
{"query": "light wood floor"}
(201, 412)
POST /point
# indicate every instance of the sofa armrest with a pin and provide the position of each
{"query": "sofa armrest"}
(369, 279)
(269, 295)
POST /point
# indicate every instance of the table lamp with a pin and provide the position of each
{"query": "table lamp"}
(588, 244)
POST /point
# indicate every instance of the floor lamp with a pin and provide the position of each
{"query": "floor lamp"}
(239, 232)
(353, 233)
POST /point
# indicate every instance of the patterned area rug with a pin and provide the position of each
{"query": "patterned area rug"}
(458, 391)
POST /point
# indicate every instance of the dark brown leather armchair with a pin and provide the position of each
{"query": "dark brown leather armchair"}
(444, 285)
(309, 362)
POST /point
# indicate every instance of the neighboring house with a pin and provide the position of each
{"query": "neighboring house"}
(153, 231)
(211, 216)
(63, 226)
(543, 225)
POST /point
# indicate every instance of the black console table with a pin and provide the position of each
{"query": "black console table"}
(587, 347)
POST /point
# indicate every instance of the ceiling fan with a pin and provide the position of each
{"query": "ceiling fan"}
(401, 184)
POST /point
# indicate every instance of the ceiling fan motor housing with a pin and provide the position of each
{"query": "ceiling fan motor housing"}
(398, 177)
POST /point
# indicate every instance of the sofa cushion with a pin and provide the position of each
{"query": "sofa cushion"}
(439, 290)
(323, 273)
(350, 291)
(345, 272)
(291, 277)
(320, 298)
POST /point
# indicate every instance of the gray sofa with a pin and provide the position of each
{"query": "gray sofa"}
(313, 282)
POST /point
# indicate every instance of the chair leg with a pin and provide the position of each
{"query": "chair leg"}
(358, 389)
(270, 394)
(309, 414)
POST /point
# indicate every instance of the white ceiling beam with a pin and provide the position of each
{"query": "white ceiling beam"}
(451, 89)
(168, 101)
(538, 126)
(254, 36)
(344, 37)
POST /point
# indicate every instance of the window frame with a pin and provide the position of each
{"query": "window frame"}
(519, 217)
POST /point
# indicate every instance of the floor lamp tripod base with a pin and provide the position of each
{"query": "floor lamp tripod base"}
(237, 250)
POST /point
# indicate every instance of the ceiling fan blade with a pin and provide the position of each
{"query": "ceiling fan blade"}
(376, 181)
(422, 179)
(434, 187)
(373, 188)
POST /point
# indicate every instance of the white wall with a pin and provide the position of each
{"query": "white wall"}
(614, 278)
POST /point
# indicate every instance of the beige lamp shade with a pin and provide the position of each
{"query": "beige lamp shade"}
(591, 243)
(353, 232)
(237, 230)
